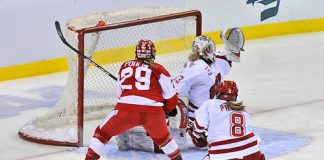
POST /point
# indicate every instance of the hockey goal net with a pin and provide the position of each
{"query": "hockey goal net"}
(89, 93)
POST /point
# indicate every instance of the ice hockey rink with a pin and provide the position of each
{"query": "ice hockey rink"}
(280, 80)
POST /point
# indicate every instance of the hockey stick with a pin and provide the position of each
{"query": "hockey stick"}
(59, 32)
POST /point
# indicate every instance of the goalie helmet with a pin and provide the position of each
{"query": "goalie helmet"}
(205, 47)
(233, 39)
(145, 49)
(227, 91)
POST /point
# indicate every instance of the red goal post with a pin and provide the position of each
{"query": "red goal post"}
(89, 93)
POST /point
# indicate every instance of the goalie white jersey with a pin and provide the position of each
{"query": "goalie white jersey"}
(195, 82)
(221, 65)
(229, 132)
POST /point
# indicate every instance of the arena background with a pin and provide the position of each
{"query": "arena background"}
(30, 45)
(280, 77)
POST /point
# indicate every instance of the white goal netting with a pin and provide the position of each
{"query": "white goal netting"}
(109, 48)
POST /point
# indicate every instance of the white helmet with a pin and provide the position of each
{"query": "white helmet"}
(205, 47)
(233, 39)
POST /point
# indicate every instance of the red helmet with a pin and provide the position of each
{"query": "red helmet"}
(227, 91)
(145, 49)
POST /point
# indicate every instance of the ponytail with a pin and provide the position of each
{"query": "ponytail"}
(193, 56)
(235, 106)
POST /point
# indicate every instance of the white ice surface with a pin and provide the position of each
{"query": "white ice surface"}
(280, 79)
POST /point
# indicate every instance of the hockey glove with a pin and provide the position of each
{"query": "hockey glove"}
(199, 140)
(172, 113)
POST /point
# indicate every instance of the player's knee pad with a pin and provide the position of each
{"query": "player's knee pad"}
(136, 139)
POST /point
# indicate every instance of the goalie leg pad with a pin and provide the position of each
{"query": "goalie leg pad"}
(140, 138)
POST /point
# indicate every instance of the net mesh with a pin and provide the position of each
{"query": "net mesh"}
(109, 49)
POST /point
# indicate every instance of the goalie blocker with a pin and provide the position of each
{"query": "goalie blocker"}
(138, 139)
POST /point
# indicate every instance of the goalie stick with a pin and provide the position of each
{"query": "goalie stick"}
(59, 32)
(184, 114)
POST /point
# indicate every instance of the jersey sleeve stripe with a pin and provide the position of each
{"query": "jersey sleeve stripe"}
(167, 89)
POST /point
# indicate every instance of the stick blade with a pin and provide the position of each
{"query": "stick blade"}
(58, 29)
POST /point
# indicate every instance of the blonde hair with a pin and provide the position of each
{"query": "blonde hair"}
(193, 56)
(235, 106)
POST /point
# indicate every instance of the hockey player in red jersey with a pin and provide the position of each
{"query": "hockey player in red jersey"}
(229, 131)
(145, 93)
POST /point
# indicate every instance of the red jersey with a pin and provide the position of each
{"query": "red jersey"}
(144, 88)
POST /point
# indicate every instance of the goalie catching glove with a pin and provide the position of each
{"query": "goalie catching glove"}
(233, 39)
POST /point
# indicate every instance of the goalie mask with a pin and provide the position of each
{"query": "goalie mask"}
(205, 47)
(233, 39)
(227, 91)
(145, 49)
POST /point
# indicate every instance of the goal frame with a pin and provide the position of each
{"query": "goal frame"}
(80, 86)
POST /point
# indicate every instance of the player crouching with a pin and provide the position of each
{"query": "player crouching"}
(229, 131)
(145, 91)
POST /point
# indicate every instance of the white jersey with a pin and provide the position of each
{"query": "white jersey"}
(221, 66)
(229, 132)
(195, 82)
